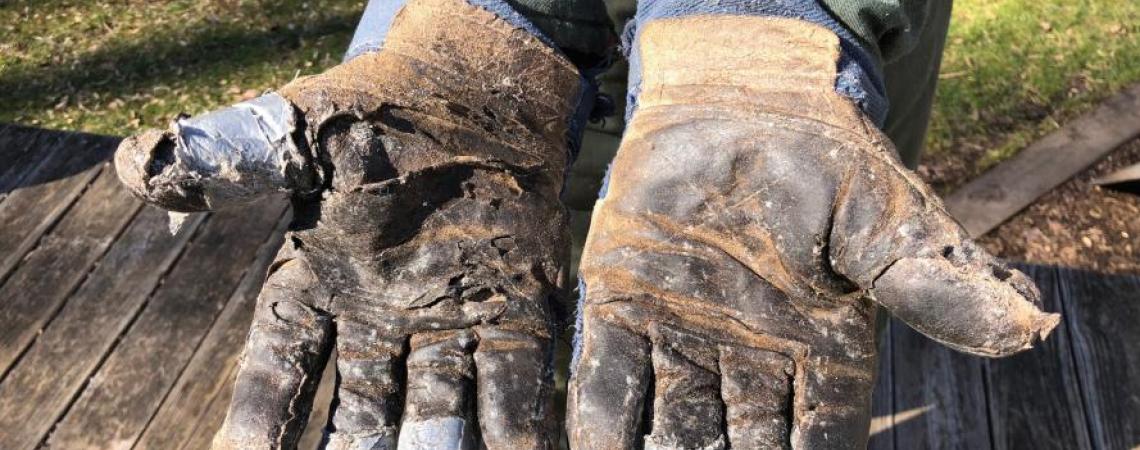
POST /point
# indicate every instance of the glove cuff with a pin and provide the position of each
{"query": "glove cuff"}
(699, 60)
(439, 54)
(588, 51)
(859, 75)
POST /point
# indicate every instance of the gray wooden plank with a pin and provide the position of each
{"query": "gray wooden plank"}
(13, 142)
(202, 436)
(1103, 315)
(1034, 397)
(185, 412)
(1001, 192)
(882, 435)
(126, 391)
(49, 376)
(60, 261)
(1123, 180)
(939, 395)
(21, 151)
(35, 155)
(31, 210)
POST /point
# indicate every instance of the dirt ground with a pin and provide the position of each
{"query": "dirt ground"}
(1076, 225)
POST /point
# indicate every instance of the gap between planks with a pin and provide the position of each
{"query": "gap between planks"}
(120, 287)
(29, 213)
(205, 384)
(16, 149)
(153, 354)
(60, 261)
(1073, 391)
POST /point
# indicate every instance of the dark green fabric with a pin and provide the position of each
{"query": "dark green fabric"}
(908, 36)
(581, 28)
(893, 27)
(911, 79)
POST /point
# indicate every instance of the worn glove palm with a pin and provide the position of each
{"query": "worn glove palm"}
(428, 240)
(753, 220)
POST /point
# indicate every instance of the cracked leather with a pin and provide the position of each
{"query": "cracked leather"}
(753, 220)
(433, 252)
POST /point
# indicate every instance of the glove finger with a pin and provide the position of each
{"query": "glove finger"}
(513, 379)
(757, 391)
(609, 386)
(226, 157)
(891, 235)
(368, 400)
(687, 408)
(439, 407)
(288, 347)
(832, 403)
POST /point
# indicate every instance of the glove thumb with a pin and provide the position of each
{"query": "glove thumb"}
(893, 238)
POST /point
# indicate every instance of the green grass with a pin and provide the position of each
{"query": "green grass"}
(1013, 70)
(116, 66)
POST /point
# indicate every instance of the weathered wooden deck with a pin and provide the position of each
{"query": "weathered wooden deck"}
(115, 334)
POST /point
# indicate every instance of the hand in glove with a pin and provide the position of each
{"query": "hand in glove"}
(753, 220)
(428, 240)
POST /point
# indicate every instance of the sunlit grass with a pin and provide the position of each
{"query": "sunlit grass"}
(115, 67)
(1015, 69)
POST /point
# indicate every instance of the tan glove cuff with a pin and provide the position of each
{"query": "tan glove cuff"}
(775, 65)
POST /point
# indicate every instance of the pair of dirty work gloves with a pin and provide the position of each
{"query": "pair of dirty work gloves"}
(753, 221)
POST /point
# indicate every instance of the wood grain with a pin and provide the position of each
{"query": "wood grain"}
(46, 194)
(39, 389)
(202, 434)
(882, 435)
(1103, 315)
(22, 150)
(939, 395)
(59, 262)
(207, 378)
(998, 194)
(137, 376)
(1034, 397)
(314, 431)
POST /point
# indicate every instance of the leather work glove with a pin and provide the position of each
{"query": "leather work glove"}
(753, 220)
(428, 242)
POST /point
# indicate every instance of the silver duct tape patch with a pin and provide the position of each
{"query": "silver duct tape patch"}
(443, 433)
(237, 153)
(251, 135)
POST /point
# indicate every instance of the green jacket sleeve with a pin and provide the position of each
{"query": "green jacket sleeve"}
(892, 28)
